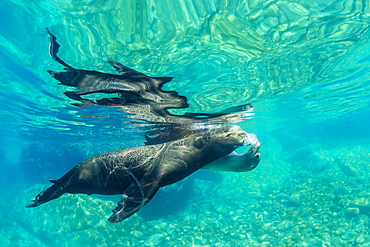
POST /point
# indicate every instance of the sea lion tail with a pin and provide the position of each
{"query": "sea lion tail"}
(49, 194)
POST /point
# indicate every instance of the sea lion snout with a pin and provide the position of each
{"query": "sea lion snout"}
(226, 139)
(236, 134)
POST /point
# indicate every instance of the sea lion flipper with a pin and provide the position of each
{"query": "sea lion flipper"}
(132, 201)
(49, 194)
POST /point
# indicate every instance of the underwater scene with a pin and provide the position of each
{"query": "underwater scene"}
(192, 122)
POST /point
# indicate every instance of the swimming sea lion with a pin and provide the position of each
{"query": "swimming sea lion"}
(139, 172)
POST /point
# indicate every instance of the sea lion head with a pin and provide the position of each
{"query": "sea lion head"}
(228, 138)
(232, 137)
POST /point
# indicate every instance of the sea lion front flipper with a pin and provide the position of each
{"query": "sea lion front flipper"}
(132, 200)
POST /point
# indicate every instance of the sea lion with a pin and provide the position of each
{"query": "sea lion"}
(137, 173)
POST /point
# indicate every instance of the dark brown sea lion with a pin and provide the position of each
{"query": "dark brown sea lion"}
(139, 172)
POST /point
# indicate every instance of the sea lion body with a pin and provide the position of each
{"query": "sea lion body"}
(139, 172)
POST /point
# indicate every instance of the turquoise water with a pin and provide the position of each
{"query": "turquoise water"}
(304, 65)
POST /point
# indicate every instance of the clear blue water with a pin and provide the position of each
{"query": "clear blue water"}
(304, 65)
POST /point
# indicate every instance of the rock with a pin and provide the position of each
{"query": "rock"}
(348, 236)
(340, 231)
(307, 159)
(285, 225)
(265, 244)
(362, 202)
(268, 227)
(136, 233)
(360, 239)
(352, 212)
(335, 209)
(345, 168)
(295, 200)
(155, 239)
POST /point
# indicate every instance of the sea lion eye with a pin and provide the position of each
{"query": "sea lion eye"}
(199, 143)
(229, 134)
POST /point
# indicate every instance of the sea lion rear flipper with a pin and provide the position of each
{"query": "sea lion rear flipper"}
(132, 200)
(49, 194)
